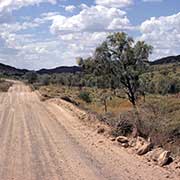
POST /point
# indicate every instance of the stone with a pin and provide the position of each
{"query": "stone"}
(154, 155)
(113, 139)
(164, 158)
(125, 145)
(101, 130)
(144, 148)
(161, 156)
(122, 139)
(139, 142)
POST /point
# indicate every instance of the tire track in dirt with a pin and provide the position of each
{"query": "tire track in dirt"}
(82, 162)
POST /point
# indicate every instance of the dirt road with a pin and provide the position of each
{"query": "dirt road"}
(42, 141)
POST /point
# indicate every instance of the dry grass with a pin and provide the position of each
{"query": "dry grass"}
(114, 103)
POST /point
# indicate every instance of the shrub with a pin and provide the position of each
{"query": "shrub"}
(85, 96)
(31, 76)
(123, 128)
(5, 85)
(44, 79)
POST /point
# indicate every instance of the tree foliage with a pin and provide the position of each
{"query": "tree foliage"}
(31, 77)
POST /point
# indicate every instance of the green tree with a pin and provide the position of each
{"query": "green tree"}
(129, 61)
(123, 61)
(44, 79)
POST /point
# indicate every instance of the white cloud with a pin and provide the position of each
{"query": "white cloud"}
(9, 5)
(15, 27)
(152, 0)
(72, 37)
(70, 8)
(82, 44)
(83, 6)
(81, 33)
(25, 51)
(163, 33)
(30, 52)
(76, 35)
(45, 17)
(114, 3)
(91, 19)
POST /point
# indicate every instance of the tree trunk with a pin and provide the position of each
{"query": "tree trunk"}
(105, 105)
(144, 96)
(137, 124)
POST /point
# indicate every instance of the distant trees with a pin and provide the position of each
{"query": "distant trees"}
(161, 82)
(65, 79)
(44, 79)
(31, 76)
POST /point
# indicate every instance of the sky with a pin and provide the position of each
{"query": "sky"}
(37, 34)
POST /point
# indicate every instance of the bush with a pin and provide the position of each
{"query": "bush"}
(5, 85)
(123, 128)
(31, 77)
(85, 96)
(44, 79)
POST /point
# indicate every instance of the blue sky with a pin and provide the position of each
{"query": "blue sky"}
(46, 33)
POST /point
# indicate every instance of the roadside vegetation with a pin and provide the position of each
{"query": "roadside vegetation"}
(123, 89)
(5, 85)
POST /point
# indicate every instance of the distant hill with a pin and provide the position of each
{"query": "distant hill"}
(9, 70)
(166, 60)
(61, 69)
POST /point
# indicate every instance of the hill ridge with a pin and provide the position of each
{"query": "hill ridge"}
(10, 70)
